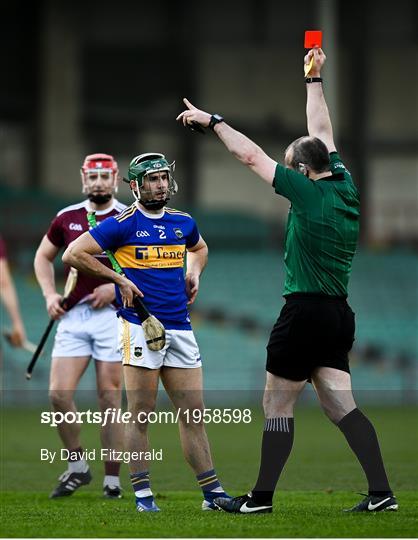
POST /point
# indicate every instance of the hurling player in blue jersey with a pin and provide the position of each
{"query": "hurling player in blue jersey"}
(150, 242)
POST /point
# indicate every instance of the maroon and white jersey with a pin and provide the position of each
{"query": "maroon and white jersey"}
(69, 224)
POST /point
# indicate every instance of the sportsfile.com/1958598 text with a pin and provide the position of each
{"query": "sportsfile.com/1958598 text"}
(115, 416)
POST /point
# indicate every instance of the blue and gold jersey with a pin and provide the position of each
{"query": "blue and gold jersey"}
(151, 249)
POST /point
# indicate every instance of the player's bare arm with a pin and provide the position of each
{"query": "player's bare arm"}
(317, 114)
(240, 146)
(80, 255)
(197, 258)
(10, 301)
(45, 274)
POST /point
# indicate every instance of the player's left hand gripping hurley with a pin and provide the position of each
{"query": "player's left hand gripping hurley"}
(154, 331)
(68, 289)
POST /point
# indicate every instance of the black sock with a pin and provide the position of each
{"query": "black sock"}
(362, 438)
(275, 449)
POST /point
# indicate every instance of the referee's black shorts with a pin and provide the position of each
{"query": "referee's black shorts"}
(312, 331)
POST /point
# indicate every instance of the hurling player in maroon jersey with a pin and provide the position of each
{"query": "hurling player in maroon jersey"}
(87, 327)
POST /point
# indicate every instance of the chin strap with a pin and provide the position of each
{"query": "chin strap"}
(154, 205)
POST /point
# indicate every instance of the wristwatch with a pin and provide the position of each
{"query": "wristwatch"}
(215, 119)
(309, 80)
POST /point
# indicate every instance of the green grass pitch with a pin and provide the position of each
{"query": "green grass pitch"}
(321, 478)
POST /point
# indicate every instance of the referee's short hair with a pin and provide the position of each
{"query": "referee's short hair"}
(310, 151)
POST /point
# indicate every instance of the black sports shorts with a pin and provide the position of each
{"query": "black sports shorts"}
(313, 330)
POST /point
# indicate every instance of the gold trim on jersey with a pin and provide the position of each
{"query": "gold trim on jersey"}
(179, 212)
(130, 211)
(144, 257)
(126, 342)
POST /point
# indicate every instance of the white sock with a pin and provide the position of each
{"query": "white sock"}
(111, 481)
(143, 493)
(79, 466)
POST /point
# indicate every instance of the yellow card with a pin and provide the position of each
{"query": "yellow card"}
(307, 67)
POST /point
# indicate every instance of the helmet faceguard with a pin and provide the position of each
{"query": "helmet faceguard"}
(99, 164)
(146, 164)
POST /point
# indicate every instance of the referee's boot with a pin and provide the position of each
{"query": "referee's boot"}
(371, 503)
(243, 505)
(70, 482)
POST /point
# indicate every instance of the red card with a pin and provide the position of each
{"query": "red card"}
(313, 38)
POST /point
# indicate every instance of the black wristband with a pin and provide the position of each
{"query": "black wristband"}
(215, 119)
(309, 80)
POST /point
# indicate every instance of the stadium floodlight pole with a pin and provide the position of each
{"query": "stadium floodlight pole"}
(68, 289)
(154, 330)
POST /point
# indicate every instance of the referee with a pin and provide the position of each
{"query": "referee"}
(315, 330)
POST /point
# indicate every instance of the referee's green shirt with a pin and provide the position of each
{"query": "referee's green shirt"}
(322, 229)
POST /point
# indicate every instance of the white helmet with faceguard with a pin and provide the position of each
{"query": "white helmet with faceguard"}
(146, 164)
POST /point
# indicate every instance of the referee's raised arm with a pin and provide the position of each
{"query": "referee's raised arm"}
(317, 114)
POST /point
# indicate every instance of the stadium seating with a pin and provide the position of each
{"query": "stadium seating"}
(383, 293)
(239, 300)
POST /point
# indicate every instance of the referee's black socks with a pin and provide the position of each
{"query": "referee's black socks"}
(362, 438)
(275, 449)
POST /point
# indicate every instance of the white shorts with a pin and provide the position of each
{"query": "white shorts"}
(84, 331)
(180, 350)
